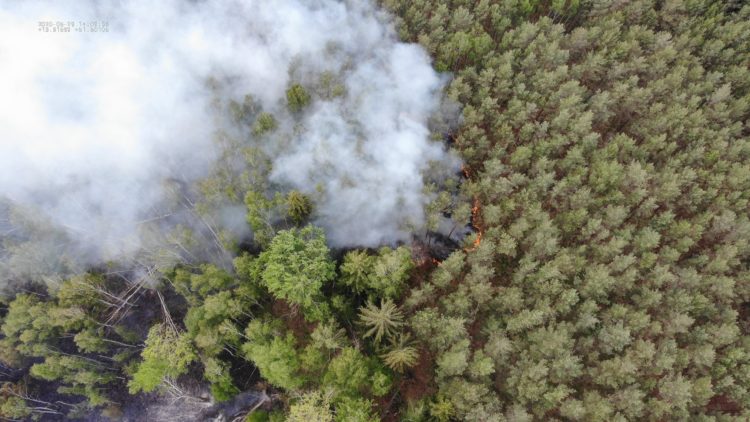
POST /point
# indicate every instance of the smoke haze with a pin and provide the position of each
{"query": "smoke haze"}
(93, 123)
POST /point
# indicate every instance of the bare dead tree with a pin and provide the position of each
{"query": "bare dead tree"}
(167, 316)
(178, 393)
(34, 405)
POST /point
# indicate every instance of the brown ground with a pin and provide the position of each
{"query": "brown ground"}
(420, 383)
(293, 320)
(723, 404)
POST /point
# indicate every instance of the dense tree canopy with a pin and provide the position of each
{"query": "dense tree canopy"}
(296, 266)
(606, 151)
(606, 145)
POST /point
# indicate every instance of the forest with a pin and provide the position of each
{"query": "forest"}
(595, 265)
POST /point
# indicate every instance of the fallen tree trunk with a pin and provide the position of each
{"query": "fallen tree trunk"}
(244, 402)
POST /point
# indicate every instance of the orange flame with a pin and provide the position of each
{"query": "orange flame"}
(477, 242)
(476, 215)
(475, 208)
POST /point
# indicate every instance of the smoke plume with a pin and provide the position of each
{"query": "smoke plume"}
(92, 124)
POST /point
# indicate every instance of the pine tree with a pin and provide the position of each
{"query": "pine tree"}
(401, 354)
(383, 320)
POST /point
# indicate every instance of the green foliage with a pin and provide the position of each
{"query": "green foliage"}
(81, 291)
(453, 361)
(14, 408)
(390, 271)
(330, 86)
(384, 275)
(313, 406)
(356, 270)
(26, 328)
(274, 353)
(381, 381)
(383, 320)
(60, 335)
(264, 123)
(347, 373)
(442, 410)
(243, 112)
(297, 98)
(196, 286)
(355, 410)
(296, 266)
(416, 411)
(79, 375)
(401, 354)
(261, 211)
(211, 325)
(217, 373)
(220, 305)
(166, 354)
(328, 336)
(248, 268)
(91, 341)
(606, 151)
(299, 206)
(257, 416)
(314, 360)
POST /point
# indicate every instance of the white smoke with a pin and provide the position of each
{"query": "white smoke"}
(93, 123)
